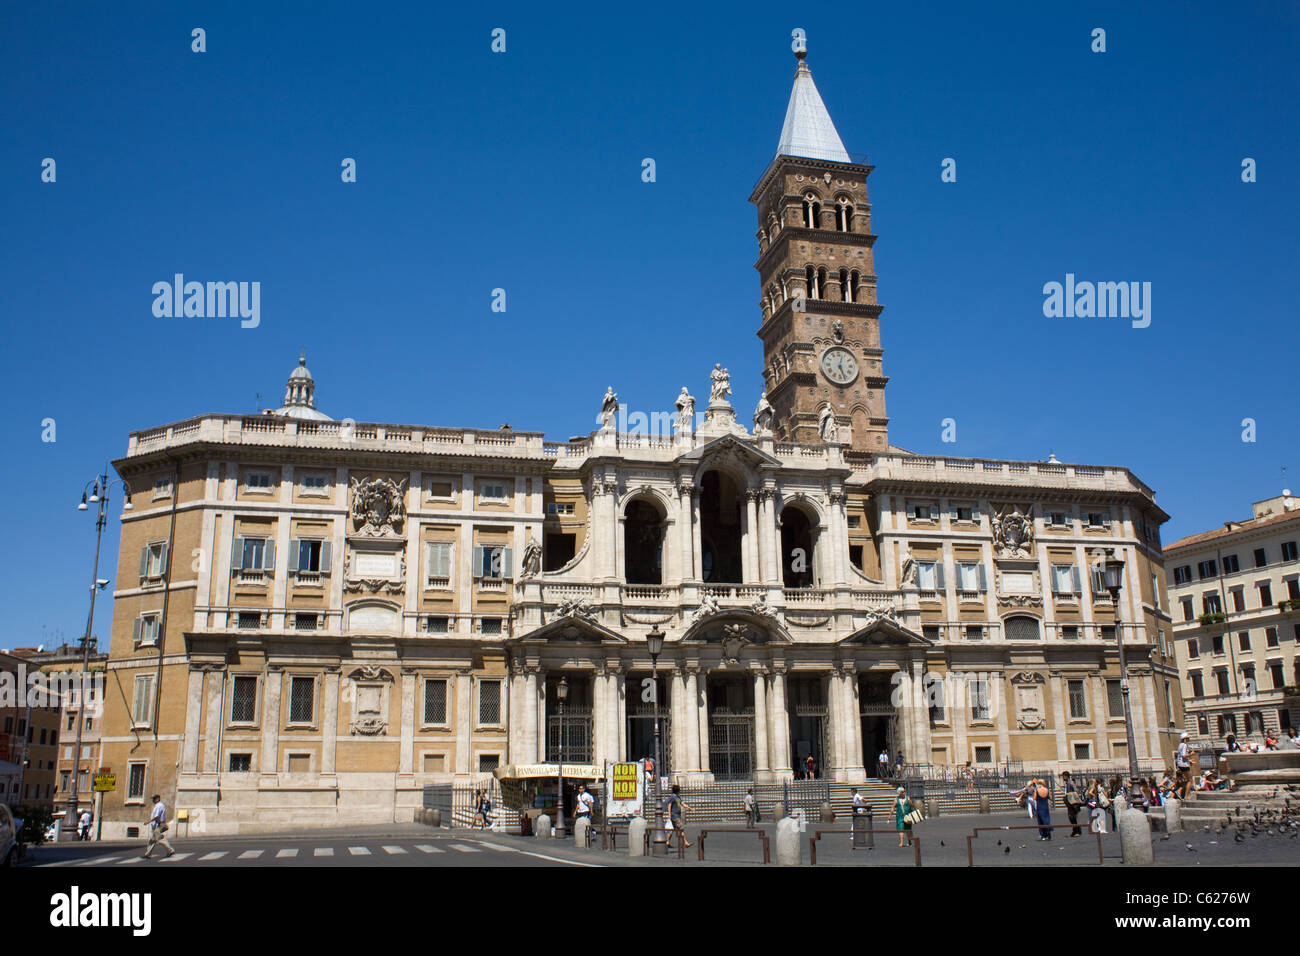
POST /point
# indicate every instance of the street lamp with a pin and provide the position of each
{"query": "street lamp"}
(98, 495)
(561, 692)
(1112, 576)
(655, 645)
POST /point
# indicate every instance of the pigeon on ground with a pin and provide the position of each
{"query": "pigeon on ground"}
(1191, 848)
(999, 843)
(941, 843)
(1165, 837)
(1006, 849)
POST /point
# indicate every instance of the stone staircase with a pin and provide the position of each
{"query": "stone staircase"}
(1273, 802)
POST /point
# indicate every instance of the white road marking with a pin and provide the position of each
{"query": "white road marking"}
(214, 855)
(359, 851)
(323, 851)
(543, 856)
(393, 849)
(286, 852)
(177, 858)
(251, 854)
(463, 848)
(131, 859)
(426, 848)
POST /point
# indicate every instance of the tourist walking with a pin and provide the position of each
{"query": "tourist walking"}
(158, 828)
(969, 773)
(1183, 767)
(902, 807)
(1043, 810)
(584, 806)
(750, 805)
(85, 824)
(882, 764)
(898, 765)
(676, 807)
(858, 807)
(1073, 801)
(809, 767)
(479, 821)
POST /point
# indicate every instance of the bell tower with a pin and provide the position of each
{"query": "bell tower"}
(821, 322)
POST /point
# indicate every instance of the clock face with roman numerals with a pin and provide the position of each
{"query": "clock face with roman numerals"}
(839, 365)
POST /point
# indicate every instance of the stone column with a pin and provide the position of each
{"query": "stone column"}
(686, 528)
(776, 558)
(599, 716)
(681, 728)
(329, 730)
(514, 724)
(692, 722)
(696, 546)
(779, 723)
(762, 762)
(838, 539)
(702, 716)
(834, 758)
(193, 721)
(464, 719)
(528, 748)
(853, 726)
(269, 759)
(618, 685)
(406, 757)
(212, 726)
(751, 573)
(766, 530)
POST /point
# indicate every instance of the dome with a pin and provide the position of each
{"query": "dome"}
(301, 371)
(300, 395)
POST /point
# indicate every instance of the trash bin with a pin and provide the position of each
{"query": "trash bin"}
(862, 836)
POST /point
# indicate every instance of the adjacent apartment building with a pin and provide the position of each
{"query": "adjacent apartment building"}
(315, 618)
(1236, 603)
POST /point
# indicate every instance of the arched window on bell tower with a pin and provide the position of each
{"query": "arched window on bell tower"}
(844, 216)
(812, 212)
(810, 280)
(844, 286)
(854, 281)
(821, 284)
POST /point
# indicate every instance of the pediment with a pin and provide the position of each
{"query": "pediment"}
(728, 446)
(570, 629)
(886, 631)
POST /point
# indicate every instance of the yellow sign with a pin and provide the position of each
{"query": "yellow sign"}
(624, 781)
(105, 782)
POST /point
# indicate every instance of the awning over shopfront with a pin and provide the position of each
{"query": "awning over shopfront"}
(531, 771)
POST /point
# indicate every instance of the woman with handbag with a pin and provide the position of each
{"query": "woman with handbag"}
(1073, 801)
(902, 811)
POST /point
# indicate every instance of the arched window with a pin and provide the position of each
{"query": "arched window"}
(844, 216)
(810, 280)
(720, 538)
(821, 284)
(854, 279)
(808, 221)
(643, 529)
(844, 286)
(1022, 628)
(796, 548)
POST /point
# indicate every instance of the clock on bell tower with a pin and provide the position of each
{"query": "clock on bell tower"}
(821, 320)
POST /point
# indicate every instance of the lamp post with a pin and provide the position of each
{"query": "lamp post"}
(659, 842)
(1112, 572)
(561, 692)
(98, 495)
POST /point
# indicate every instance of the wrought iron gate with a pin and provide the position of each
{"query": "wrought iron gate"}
(640, 736)
(808, 730)
(574, 729)
(731, 745)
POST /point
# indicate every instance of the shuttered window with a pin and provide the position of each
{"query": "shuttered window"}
(142, 701)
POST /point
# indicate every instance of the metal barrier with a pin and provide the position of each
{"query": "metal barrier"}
(817, 835)
(970, 846)
(609, 834)
(649, 834)
(762, 839)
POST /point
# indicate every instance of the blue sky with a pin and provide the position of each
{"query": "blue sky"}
(522, 170)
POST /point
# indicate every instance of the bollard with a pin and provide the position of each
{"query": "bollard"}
(827, 814)
(778, 811)
(582, 833)
(1135, 838)
(1173, 815)
(931, 810)
(985, 804)
(861, 826)
(434, 818)
(636, 837)
(789, 848)
(543, 826)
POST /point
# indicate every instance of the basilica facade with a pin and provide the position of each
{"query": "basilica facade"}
(316, 618)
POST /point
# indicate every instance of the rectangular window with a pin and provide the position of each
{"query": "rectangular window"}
(243, 699)
(1056, 519)
(441, 489)
(309, 555)
(1261, 557)
(1108, 633)
(1207, 569)
(1070, 632)
(142, 702)
(1221, 679)
(249, 620)
(305, 622)
(1238, 595)
(1276, 675)
(1203, 725)
(1210, 603)
(299, 763)
(64, 779)
(1230, 564)
(1243, 640)
(920, 512)
(559, 508)
(963, 513)
(1096, 519)
(974, 632)
(162, 487)
(258, 481)
(855, 521)
(1114, 699)
(241, 763)
(926, 577)
(1065, 579)
(1288, 551)
(1198, 685)
(1078, 700)
(488, 762)
(302, 697)
(978, 690)
(315, 484)
(253, 554)
(437, 624)
(1083, 751)
(1187, 608)
(970, 577)
(984, 754)
(489, 702)
(153, 560)
(494, 492)
(1270, 637)
(930, 632)
(438, 562)
(1155, 591)
(1216, 645)
(1169, 703)
(1227, 724)
(1293, 589)
(491, 625)
(435, 701)
(1265, 595)
(1183, 575)
(135, 782)
(146, 630)
(493, 562)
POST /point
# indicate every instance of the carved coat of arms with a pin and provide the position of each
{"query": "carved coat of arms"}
(734, 639)
(378, 505)
(1013, 531)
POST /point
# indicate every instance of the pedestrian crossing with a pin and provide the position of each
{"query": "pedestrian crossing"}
(235, 857)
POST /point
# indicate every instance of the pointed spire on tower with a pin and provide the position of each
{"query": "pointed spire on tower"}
(808, 131)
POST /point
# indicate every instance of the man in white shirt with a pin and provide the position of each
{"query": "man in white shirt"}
(158, 828)
(1183, 766)
(84, 823)
(583, 804)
